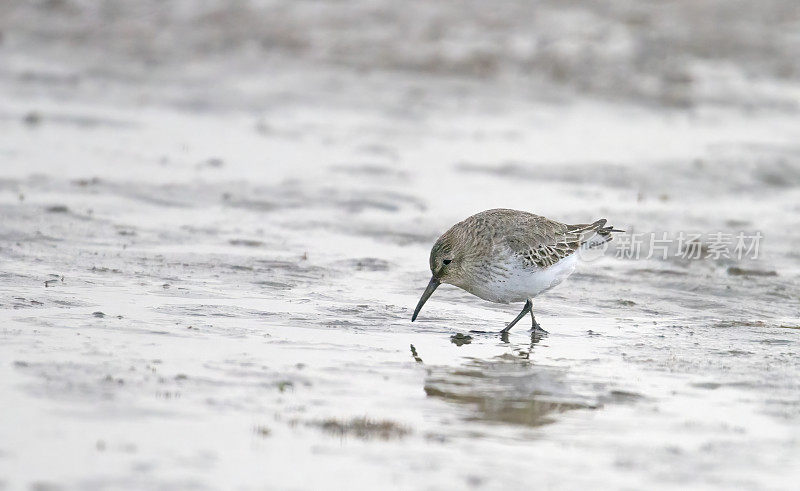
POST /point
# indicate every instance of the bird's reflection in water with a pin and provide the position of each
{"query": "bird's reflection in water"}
(509, 388)
(536, 337)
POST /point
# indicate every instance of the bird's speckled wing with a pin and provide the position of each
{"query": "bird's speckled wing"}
(541, 242)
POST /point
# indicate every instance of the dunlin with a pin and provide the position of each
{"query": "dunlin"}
(510, 256)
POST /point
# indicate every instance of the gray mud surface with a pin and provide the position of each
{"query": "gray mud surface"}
(215, 222)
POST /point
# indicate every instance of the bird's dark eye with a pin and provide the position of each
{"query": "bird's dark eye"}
(446, 261)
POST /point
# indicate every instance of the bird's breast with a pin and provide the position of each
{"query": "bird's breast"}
(514, 281)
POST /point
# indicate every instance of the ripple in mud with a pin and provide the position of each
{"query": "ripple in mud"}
(365, 315)
(273, 285)
(285, 274)
(301, 195)
(660, 272)
(24, 303)
(755, 172)
(363, 428)
(229, 311)
(35, 118)
(78, 381)
(777, 171)
(395, 236)
(246, 242)
(381, 172)
(621, 397)
(364, 264)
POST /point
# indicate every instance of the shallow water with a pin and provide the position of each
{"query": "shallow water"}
(208, 277)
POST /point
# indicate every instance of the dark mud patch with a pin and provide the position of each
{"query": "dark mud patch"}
(273, 285)
(53, 281)
(661, 272)
(32, 118)
(415, 355)
(733, 352)
(362, 428)
(739, 323)
(86, 182)
(214, 163)
(706, 385)
(57, 209)
(262, 431)
(364, 264)
(737, 271)
(258, 205)
(23, 303)
(35, 118)
(777, 342)
(621, 397)
(246, 242)
(779, 174)
(460, 339)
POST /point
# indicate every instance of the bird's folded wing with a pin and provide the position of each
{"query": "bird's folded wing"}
(541, 242)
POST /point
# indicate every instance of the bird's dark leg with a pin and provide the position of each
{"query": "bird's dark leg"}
(535, 327)
(525, 310)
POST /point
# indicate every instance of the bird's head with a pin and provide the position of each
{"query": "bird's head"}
(446, 266)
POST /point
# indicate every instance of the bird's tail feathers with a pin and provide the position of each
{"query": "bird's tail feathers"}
(594, 234)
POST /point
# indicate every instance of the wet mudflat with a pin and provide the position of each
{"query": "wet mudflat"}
(208, 276)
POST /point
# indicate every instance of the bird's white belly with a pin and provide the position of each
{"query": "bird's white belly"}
(521, 283)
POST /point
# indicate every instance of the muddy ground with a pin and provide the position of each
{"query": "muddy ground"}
(215, 221)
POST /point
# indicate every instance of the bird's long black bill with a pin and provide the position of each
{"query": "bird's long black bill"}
(425, 296)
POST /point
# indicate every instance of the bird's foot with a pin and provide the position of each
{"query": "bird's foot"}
(537, 329)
